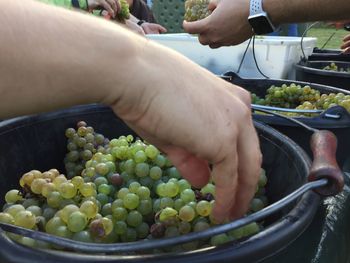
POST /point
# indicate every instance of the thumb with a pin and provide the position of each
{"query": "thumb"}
(195, 27)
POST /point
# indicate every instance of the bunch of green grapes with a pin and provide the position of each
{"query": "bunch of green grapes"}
(196, 10)
(126, 192)
(301, 98)
(334, 67)
(82, 143)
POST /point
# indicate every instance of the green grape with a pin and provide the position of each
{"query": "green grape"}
(101, 227)
(6, 218)
(13, 196)
(72, 156)
(183, 184)
(63, 231)
(27, 241)
(160, 160)
(67, 190)
(134, 186)
(166, 202)
(131, 201)
(200, 226)
(70, 133)
(66, 202)
(25, 219)
(219, 239)
(14, 209)
(161, 190)
(88, 189)
(77, 221)
(172, 231)
(203, 208)
(117, 203)
(77, 181)
(48, 213)
(256, 204)
(122, 193)
(262, 178)
(106, 209)
(89, 137)
(82, 236)
(184, 227)
(86, 155)
(119, 213)
(102, 169)
(172, 189)
(178, 203)
(146, 181)
(173, 173)
(54, 199)
(129, 236)
(82, 131)
(155, 173)
(236, 233)
(143, 192)
(140, 157)
(142, 230)
(188, 195)
(89, 208)
(142, 169)
(129, 138)
(35, 210)
(129, 166)
(53, 224)
(90, 171)
(104, 189)
(167, 213)
(145, 207)
(59, 180)
(151, 152)
(37, 185)
(67, 211)
(208, 189)
(134, 218)
(102, 198)
(26, 179)
(187, 213)
(156, 205)
(120, 227)
(47, 188)
(30, 201)
(251, 229)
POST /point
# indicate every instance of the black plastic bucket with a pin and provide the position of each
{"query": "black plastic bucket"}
(312, 71)
(326, 121)
(328, 55)
(39, 142)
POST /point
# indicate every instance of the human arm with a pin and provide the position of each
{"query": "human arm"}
(149, 28)
(189, 113)
(228, 23)
(346, 45)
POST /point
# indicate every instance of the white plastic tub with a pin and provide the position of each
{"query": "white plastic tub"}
(275, 55)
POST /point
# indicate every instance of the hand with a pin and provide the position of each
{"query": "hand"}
(111, 6)
(152, 28)
(346, 45)
(134, 27)
(195, 118)
(227, 24)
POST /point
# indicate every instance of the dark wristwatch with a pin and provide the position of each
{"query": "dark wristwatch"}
(140, 22)
(258, 19)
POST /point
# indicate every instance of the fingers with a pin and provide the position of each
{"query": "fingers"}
(225, 178)
(106, 5)
(192, 168)
(345, 45)
(196, 27)
(161, 29)
(346, 51)
(249, 164)
(212, 5)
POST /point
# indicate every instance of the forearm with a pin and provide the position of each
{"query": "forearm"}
(286, 11)
(65, 60)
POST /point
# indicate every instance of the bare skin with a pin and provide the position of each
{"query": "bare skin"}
(228, 23)
(186, 111)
